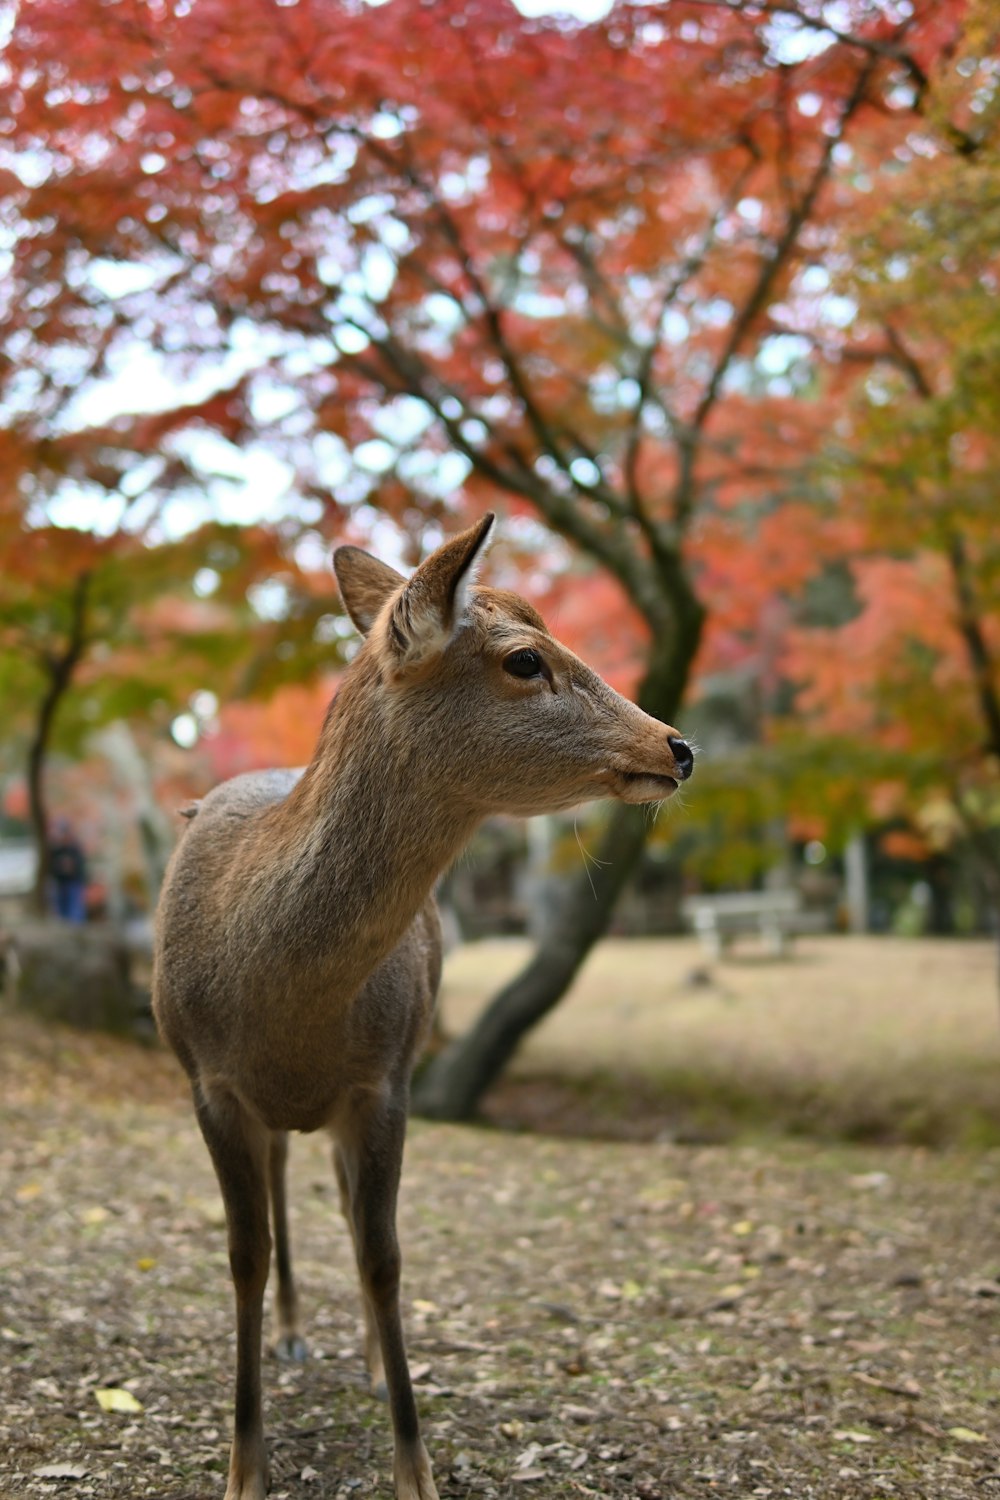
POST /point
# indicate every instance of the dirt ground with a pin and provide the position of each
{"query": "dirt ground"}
(584, 1319)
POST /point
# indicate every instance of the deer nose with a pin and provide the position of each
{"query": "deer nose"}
(683, 756)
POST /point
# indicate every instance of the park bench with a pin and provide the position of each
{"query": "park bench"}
(774, 915)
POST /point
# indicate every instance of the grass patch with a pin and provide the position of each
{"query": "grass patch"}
(867, 1040)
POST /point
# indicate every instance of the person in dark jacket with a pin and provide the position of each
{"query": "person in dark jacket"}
(68, 872)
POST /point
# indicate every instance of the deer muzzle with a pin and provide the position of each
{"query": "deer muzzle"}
(657, 774)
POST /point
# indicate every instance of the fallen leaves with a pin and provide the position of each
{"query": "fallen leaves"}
(904, 1387)
(593, 1344)
(113, 1398)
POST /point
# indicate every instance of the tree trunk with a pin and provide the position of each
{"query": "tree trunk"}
(60, 669)
(984, 677)
(980, 658)
(453, 1082)
(37, 811)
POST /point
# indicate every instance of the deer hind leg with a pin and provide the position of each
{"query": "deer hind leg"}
(373, 1349)
(370, 1161)
(289, 1344)
(239, 1150)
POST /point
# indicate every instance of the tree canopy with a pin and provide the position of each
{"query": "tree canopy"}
(707, 290)
(396, 245)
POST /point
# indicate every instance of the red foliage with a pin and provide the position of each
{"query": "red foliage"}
(900, 843)
(573, 250)
(280, 732)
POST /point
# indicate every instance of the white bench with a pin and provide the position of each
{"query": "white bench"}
(774, 915)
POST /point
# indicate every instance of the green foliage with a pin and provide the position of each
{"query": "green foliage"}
(747, 806)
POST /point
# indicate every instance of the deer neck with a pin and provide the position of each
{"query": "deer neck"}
(372, 825)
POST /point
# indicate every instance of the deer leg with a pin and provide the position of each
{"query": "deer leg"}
(371, 1160)
(239, 1150)
(373, 1349)
(289, 1344)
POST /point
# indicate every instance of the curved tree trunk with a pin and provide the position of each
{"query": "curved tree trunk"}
(37, 813)
(60, 669)
(984, 841)
(454, 1081)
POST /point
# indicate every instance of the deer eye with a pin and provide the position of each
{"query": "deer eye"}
(523, 663)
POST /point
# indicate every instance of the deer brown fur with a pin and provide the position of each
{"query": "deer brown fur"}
(298, 949)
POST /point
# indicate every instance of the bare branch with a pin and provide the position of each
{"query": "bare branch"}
(770, 268)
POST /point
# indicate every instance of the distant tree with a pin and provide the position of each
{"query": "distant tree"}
(916, 670)
(433, 253)
(98, 628)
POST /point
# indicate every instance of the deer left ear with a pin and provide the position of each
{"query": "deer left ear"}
(431, 608)
(365, 584)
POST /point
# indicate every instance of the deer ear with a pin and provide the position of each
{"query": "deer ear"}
(431, 609)
(365, 584)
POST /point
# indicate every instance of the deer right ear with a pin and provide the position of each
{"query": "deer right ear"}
(365, 584)
(432, 608)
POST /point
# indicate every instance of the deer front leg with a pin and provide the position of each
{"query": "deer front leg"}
(373, 1349)
(370, 1161)
(289, 1344)
(239, 1149)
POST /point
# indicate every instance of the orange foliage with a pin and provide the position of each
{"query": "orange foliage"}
(575, 248)
(281, 732)
(896, 674)
(900, 843)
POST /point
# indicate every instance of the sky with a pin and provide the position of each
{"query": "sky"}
(585, 10)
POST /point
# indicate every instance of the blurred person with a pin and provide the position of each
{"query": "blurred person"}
(68, 872)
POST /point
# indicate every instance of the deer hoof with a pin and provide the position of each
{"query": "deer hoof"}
(380, 1390)
(256, 1489)
(412, 1474)
(291, 1349)
(250, 1483)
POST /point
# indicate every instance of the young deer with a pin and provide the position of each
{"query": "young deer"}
(298, 949)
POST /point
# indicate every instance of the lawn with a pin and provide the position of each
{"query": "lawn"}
(868, 1039)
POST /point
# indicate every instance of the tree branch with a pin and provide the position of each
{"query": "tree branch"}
(984, 674)
(61, 667)
(770, 268)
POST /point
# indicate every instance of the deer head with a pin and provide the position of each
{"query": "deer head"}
(511, 718)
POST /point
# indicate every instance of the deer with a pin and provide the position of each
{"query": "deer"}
(297, 949)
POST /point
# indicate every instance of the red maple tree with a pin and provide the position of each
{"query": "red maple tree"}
(433, 254)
